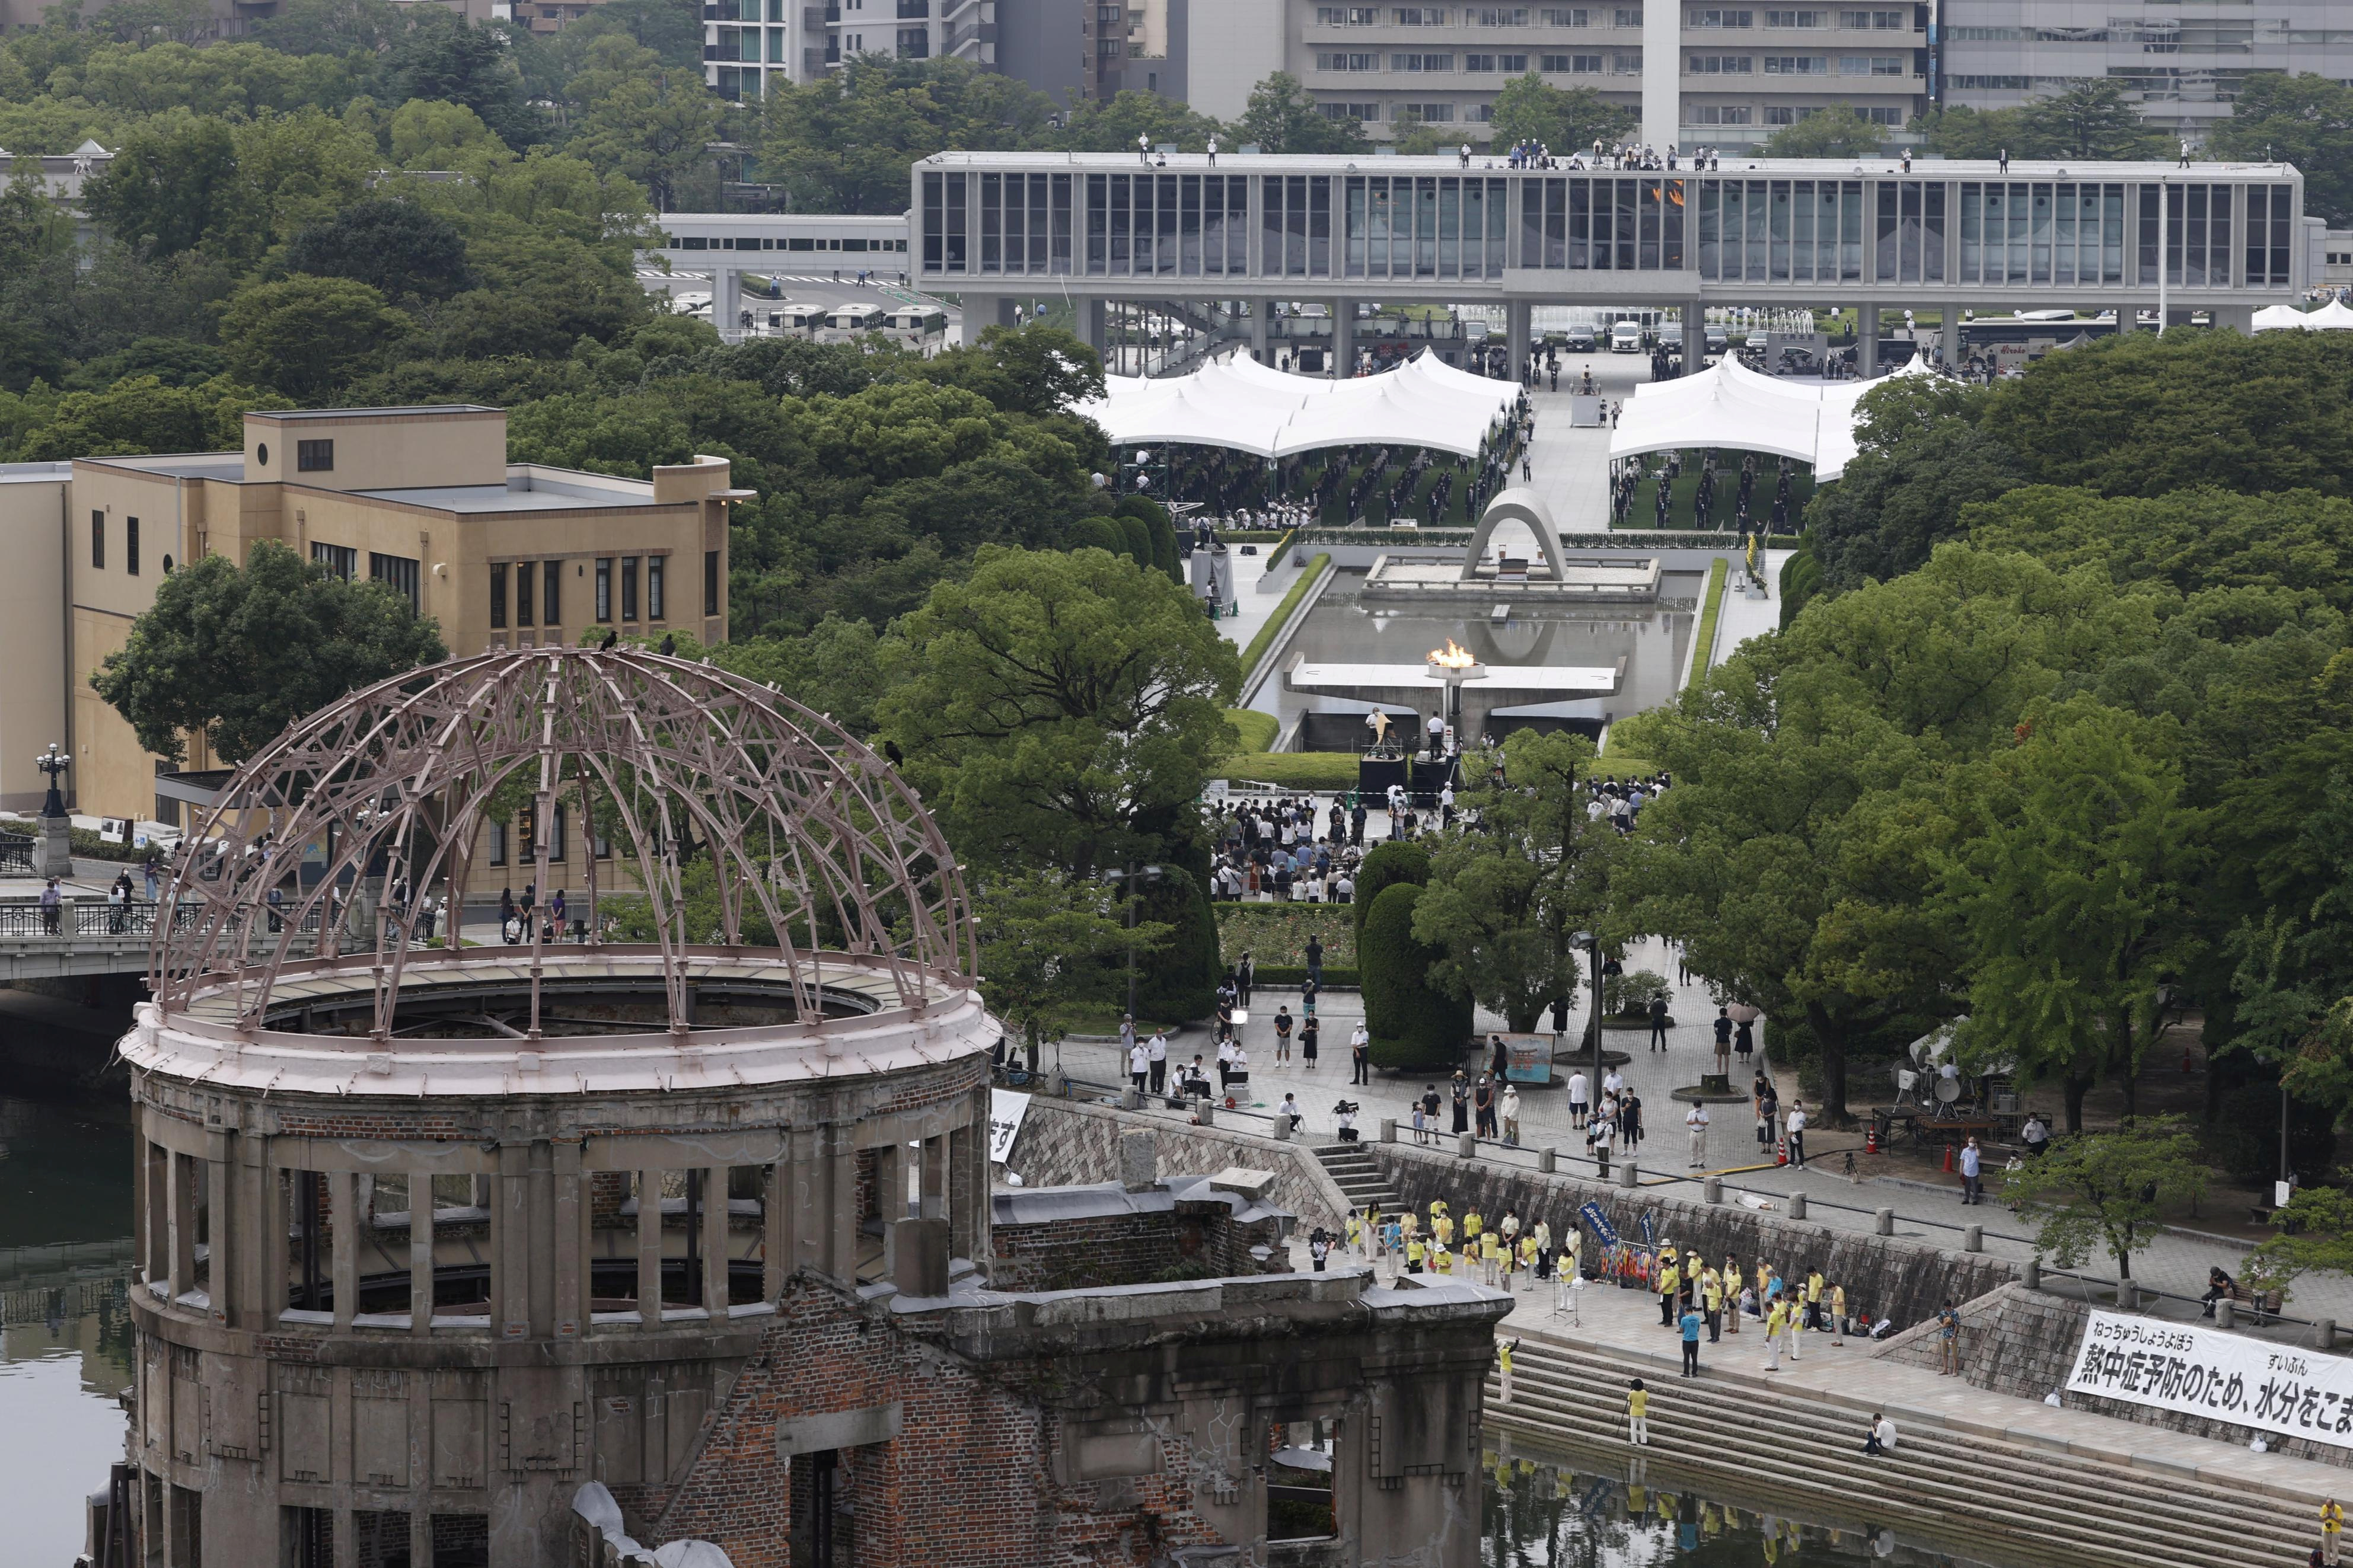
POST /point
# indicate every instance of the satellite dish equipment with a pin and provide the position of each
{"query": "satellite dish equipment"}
(1948, 1090)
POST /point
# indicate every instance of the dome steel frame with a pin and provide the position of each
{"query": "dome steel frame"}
(802, 824)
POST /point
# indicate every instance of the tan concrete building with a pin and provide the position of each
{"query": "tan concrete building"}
(423, 499)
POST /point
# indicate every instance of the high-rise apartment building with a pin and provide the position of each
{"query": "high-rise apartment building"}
(748, 44)
(2183, 69)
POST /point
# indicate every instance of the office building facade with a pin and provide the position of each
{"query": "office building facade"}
(2184, 71)
(750, 45)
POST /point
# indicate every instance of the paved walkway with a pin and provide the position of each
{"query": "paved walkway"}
(2175, 1262)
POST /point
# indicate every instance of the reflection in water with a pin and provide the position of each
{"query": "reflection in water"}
(1613, 1514)
(64, 1329)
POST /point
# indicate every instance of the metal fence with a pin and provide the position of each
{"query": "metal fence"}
(135, 918)
(16, 854)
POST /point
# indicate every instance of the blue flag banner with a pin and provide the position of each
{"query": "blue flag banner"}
(1599, 1224)
(1650, 1227)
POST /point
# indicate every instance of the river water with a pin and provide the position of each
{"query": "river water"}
(64, 1330)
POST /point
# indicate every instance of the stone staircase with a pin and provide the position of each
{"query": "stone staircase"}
(1359, 1176)
(2042, 1504)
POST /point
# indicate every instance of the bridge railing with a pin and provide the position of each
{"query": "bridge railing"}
(16, 854)
(84, 918)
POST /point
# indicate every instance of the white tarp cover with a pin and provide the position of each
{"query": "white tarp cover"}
(1733, 406)
(1247, 407)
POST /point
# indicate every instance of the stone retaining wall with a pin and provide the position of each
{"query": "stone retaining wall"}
(2024, 1342)
(1069, 1142)
(1884, 1276)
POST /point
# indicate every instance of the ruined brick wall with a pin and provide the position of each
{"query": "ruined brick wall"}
(969, 1481)
(1194, 1241)
(2024, 1344)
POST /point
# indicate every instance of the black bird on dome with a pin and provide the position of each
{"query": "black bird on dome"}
(610, 639)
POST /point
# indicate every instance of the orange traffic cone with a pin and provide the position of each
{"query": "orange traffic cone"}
(1780, 1151)
(1871, 1139)
(1949, 1159)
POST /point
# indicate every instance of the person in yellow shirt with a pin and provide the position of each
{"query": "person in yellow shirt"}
(1838, 1315)
(1472, 1225)
(1442, 1227)
(1410, 1224)
(1638, 1413)
(1355, 1232)
(1445, 1261)
(1414, 1253)
(1528, 1260)
(2332, 1529)
(1670, 1281)
(1711, 1296)
(1814, 1300)
(1491, 1254)
(1732, 1293)
(1503, 1360)
(1776, 1318)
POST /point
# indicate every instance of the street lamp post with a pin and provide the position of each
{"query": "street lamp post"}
(54, 852)
(1126, 880)
(1592, 945)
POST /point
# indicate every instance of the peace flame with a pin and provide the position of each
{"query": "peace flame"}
(1451, 657)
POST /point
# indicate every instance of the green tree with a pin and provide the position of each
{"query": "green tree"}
(1399, 860)
(1505, 900)
(439, 56)
(429, 135)
(239, 654)
(1413, 1024)
(2070, 880)
(306, 335)
(638, 118)
(1529, 109)
(1064, 707)
(2300, 118)
(1420, 139)
(2183, 543)
(1837, 132)
(1050, 945)
(1282, 117)
(2107, 1192)
(142, 413)
(332, 28)
(1895, 504)
(2094, 120)
(2145, 415)
(1094, 125)
(2315, 1235)
(1961, 131)
(1035, 369)
(161, 192)
(843, 143)
(396, 247)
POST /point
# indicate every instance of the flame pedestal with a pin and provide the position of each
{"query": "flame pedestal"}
(1452, 665)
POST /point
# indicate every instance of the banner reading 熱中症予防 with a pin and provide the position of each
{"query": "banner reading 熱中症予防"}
(1006, 1109)
(2273, 1388)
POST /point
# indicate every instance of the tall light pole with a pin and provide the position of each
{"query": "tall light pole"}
(1126, 881)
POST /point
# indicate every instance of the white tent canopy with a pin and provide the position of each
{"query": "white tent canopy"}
(2331, 316)
(1732, 405)
(1247, 407)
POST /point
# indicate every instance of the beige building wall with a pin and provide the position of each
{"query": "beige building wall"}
(447, 500)
(33, 699)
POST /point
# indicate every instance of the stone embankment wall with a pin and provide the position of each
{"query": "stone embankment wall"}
(1188, 1241)
(1068, 1143)
(1885, 1276)
(2024, 1342)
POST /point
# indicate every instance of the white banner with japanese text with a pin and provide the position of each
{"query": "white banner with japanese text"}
(1006, 1109)
(2271, 1387)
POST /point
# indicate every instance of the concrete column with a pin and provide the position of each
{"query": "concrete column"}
(180, 1221)
(1091, 313)
(1695, 335)
(420, 1253)
(727, 302)
(156, 1196)
(343, 1219)
(1662, 59)
(1518, 327)
(2238, 317)
(1866, 346)
(1261, 330)
(1344, 337)
(935, 1177)
(569, 1204)
(220, 1268)
(650, 1248)
(715, 1240)
(1951, 334)
(841, 1195)
(777, 1241)
(979, 313)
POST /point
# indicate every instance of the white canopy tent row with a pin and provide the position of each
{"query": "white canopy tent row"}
(2331, 316)
(1731, 405)
(1244, 405)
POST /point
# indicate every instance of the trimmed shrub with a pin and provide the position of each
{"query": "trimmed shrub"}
(1404, 860)
(1138, 536)
(1629, 996)
(1180, 981)
(1413, 1026)
(1257, 729)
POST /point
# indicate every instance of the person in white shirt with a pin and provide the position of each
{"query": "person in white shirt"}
(1614, 1085)
(1139, 1065)
(1157, 1052)
(1291, 1112)
(1881, 1437)
(1796, 1127)
(1695, 1123)
(1579, 1097)
(1511, 1109)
